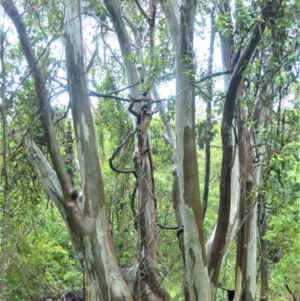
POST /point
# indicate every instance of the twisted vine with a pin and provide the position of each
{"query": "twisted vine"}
(115, 152)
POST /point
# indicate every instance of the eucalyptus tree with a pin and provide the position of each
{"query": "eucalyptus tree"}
(245, 58)
(88, 229)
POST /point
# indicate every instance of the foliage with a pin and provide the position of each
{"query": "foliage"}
(41, 257)
(43, 261)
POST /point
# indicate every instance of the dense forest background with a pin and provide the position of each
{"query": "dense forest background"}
(192, 108)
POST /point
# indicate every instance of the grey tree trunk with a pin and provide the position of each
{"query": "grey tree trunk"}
(98, 252)
(226, 45)
(194, 243)
(247, 213)
(180, 24)
(208, 116)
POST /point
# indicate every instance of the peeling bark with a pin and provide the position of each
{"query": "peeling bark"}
(92, 226)
(180, 25)
(247, 197)
(262, 228)
(194, 244)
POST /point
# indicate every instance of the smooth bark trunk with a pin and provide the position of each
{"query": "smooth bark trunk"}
(247, 197)
(186, 155)
(208, 116)
(180, 25)
(92, 226)
(227, 46)
(176, 201)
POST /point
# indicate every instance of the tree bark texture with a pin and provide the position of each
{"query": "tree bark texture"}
(262, 228)
(227, 46)
(171, 12)
(247, 207)
(95, 235)
(195, 257)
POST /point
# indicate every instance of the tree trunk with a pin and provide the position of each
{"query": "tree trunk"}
(227, 46)
(208, 116)
(171, 12)
(217, 249)
(186, 155)
(262, 228)
(247, 207)
(98, 255)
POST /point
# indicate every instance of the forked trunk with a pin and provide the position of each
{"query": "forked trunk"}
(87, 225)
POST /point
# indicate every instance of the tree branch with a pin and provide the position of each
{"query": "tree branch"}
(213, 75)
(142, 10)
(42, 95)
(167, 227)
(96, 94)
(127, 87)
(91, 62)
